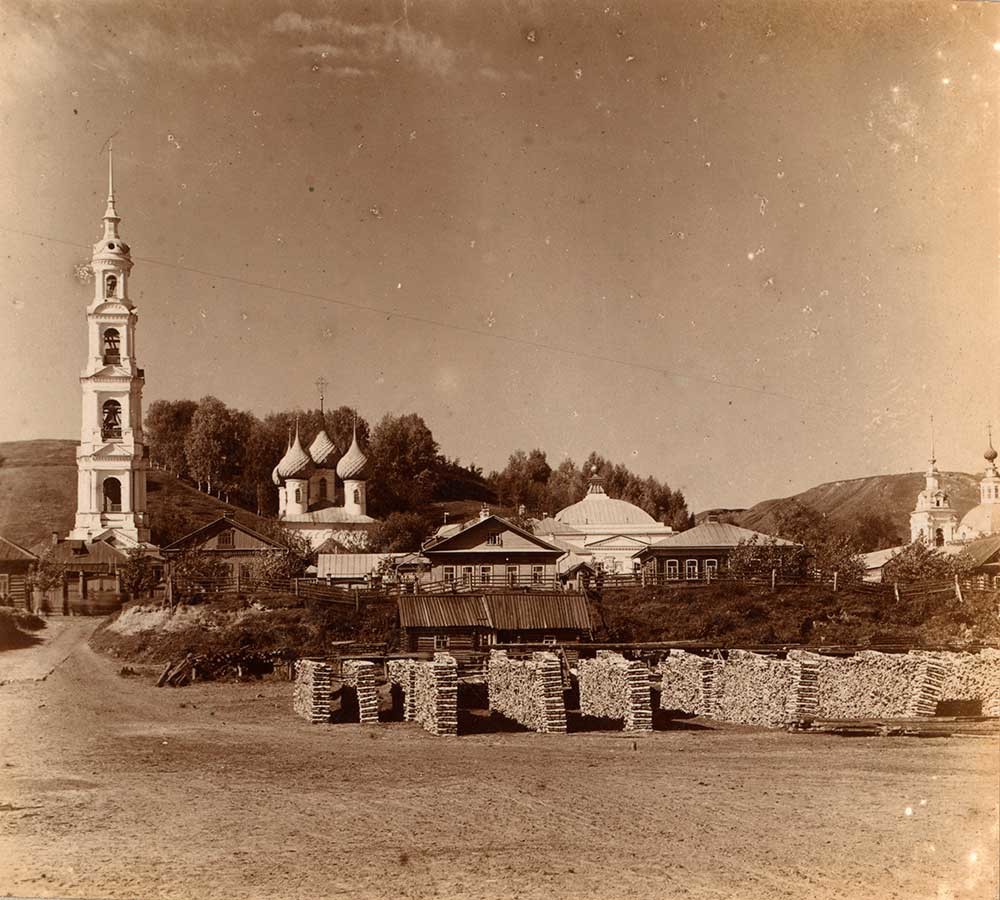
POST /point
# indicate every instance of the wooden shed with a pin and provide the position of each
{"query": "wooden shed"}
(232, 543)
(464, 624)
(15, 567)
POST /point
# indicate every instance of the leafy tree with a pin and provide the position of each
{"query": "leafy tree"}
(168, 424)
(404, 457)
(46, 573)
(919, 562)
(290, 562)
(756, 556)
(194, 564)
(210, 448)
(136, 573)
(400, 532)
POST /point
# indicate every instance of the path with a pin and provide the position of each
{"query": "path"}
(58, 639)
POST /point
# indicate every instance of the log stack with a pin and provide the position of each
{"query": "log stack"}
(430, 691)
(313, 690)
(360, 675)
(528, 691)
(612, 687)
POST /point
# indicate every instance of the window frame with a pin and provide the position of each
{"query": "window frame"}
(672, 570)
(448, 574)
(687, 569)
(441, 642)
(226, 539)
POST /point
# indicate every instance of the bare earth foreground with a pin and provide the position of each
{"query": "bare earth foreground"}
(110, 787)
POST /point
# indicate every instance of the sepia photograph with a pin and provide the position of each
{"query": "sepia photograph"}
(539, 449)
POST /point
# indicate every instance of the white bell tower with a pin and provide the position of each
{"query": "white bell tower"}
(112, 458)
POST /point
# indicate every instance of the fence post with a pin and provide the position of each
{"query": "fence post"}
(958, 591)
(295, 586)
(357, 600)
(774, 579)
(835, 580)
(895, 589)
(237, 578)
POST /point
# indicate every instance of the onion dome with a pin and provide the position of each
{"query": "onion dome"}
(991, 454)
(353, 464)
(295, 462)
(322, 449)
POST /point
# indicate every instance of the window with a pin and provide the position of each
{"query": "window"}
(467, 574)
(939, 538)
(537, 574)
(495, 538)
(112, 491)
(112, 347)
(511, 575)
(298, 495)
(449, 573)
(357, 497)
(226, 538)
(244, 573)
(673, 569)
(691, 569)
(4, 585)
(485, 574)
(110, 285)
(711, 568)
(322, 489)
(549, 639)
(111, 423)
(440, 642)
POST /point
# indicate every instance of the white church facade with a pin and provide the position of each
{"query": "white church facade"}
(112, 458)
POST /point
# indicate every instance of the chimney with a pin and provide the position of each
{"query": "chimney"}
(712, 518)
(484, 513)
(55, 538)
(446, 517)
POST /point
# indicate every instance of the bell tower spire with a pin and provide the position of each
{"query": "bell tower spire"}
(112, 458)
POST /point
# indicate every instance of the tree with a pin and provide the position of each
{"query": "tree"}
(136, 573)
(290, 562)
(400, 532)
(403, 456)
(755, 556)
(524, 480)
(168, 424)
(46, 573)
(210, 449)
(918, 562)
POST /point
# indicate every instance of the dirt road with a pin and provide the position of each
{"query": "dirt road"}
(110, 787)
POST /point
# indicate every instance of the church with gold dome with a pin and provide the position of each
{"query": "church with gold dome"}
(307, 492)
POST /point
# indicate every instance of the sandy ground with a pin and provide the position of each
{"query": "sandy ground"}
(110, 787)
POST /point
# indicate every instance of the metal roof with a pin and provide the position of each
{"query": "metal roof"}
(206, 531)
(715, 534)
(349, 565)
(503, 612)
(441, 539)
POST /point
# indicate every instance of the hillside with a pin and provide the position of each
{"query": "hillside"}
(38, 495)
(844, 502)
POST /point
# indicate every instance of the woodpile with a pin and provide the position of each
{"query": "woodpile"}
(753, 689)
(207, 666)
(360, 675)
(177, 674)
(806, 683)
(430, 691)
(528, 691)
(868, 685)
(313, 690)
(972, 676)
(612, 687)
(680, 682)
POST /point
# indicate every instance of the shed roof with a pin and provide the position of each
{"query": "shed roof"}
(503, 612)
(9, 551)
(349, 565)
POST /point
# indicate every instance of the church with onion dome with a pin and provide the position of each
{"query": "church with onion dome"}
(307, 481)
(601, 532)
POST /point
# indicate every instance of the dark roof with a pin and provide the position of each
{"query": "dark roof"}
(502, 612)
(78, 555)
(10, 551)
(980, 550)
(206, 531)
(713, 535)
(435, 544)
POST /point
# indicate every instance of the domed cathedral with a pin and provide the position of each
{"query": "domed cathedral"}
(307, 492)
(601, 531)
(112, 459)
(984, 520)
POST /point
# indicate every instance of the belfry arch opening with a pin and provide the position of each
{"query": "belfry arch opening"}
(112, 347)
(110, 285)
(111, 420)
(939, 537)
(112, 491)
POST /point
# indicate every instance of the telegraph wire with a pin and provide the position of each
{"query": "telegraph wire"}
(453, 326)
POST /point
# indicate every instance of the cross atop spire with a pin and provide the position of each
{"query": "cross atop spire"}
(321, 386)
(111, 214)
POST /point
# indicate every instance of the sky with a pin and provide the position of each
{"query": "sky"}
(744, 248)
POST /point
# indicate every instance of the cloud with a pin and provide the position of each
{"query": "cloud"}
(367, 45)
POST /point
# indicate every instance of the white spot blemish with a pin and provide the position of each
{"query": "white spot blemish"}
(908, 811)
(578, 73)
(973, 857)
(946, 81)
(491, 320)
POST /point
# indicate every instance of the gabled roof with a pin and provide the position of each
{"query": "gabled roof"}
(83, 555)
(215, 526)
(335, 515)
(981, 551)
(617, 542)
(713, 535)
(503, 612)
(439, 544)
(9, 551)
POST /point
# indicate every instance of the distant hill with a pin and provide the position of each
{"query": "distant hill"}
(844, 502)
(38, 495)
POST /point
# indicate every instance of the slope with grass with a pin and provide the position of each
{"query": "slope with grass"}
(38, 496)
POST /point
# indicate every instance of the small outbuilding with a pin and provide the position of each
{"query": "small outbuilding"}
(15, 568)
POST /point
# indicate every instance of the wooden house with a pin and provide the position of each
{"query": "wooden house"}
(15, 567)
(464, 623)
(229, 541)
(491, 553)
(699, 553)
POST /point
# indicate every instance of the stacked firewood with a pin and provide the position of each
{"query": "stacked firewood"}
(681, 688)
(360, 675)
(313, 690)
(756, 690)
(612, 687)
(206, 666)
(868, 685)
(528, 691)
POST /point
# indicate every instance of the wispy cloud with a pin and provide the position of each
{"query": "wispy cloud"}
(366, 45)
